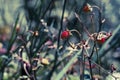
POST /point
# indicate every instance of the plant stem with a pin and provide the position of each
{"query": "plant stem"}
(98, 59)
(74, 30)
(84, 27)
(1, 73)
(83, 73)
(58, 43)
(90, 69)
(51, 2)
(89, 59)
(102, 68)
(82, 65)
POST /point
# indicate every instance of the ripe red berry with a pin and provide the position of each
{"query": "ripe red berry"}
(102, 40)
(65, 34)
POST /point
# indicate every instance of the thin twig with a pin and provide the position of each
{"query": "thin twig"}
(58, 42)
(84, 27)
(47, 8)
(74, 30)
(101, 68)
(91, 73)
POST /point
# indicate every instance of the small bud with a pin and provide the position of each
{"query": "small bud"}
(17, 28)
(1, 45)
(42, 20)
(45, 61)
(36, 33)
(46, 30)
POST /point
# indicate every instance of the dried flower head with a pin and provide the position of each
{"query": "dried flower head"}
(84, 44)
(103, 36)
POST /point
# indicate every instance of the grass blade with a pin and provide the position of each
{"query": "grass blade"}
(60, 75)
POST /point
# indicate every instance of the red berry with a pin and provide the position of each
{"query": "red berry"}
(101, 40)
(65, 34)
(87, 8)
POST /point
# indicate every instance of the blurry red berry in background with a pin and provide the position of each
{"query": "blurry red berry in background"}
(87, 8)
(65, 34)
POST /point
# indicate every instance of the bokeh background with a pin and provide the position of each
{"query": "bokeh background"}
(32, 11)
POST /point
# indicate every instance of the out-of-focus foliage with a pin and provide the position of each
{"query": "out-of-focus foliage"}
(112, 77)
(36, 32)
(9, 8)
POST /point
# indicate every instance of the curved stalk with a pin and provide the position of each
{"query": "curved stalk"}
(74, 30)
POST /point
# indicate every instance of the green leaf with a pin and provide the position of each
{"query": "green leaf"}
(113, 76)
(63, 71)
(13, 35)
(4, 57)
(73, 77)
